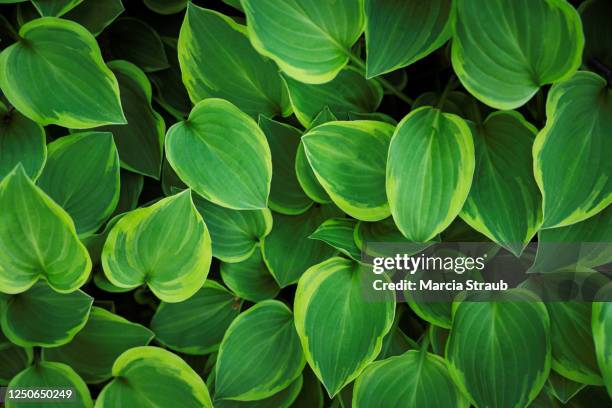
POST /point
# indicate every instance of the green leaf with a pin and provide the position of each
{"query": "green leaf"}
(597, 32)
(222, 154)
(349, 91)
(165, 246)
(250, 279)
(562, 388)
(429, 172)
(438, 313)
(87, 189)
(282, 399)
(94, 349)
(150, 376)
(576, 186)
(134, 40)
(602, 332)
(339, 232)
(217, 61)
(311, 394)
(286, 194)
(55, 8)
(384, 231)
(291, 32)
(166, 6)
(414, 379)
(274, 360)
(140, 142)
(288, 251)
(48, 375)
(235, 234)
(399, 32)
(504, 201)
(13, 359)
(506, 340)
(197, 325)
(21, 141)
(55, 75)
(504, 51)
(340, 335)
(130, 190)
(44, 317)
(170, 93)
(37, 239)
(96, 15)
(348, 159)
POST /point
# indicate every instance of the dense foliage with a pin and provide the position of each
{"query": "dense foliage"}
(186, 189)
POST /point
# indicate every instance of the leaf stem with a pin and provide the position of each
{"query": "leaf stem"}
(450, 85)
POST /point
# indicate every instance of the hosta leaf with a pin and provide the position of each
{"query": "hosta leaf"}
(48, 375)
(21, 141)
(130, 190)
(292, 32)
(170, 91)
(414, 379)
(104, 337)
(87, 189)
(275, 359)
(140, 142)
(504, 50)
(579, 120)
(400, 32)
(37, 239)
(562, 388)
(339, 232)
(286, 195)
(508, 340)
(383, 231)
(63, 59)
(234, 233)
(340, 335)
(288, 251)
(349, 91)
(217, 61)
(434, 312)
(166, 6)
(134, 40)
(348, 159)
(250, 279)
(429, 172)
(602, 333)
(197, 325)
(44, 317)
(597, 32)
(55, 8)
(95, 15)
(396, 342)
(222, 154)
(13, 359)
(150, 376)
(282, 399)
(311, 394)
(504, 201)
(165, 246)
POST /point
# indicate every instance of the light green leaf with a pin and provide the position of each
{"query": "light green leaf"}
(165, 246)
(166, 6)
(92, 352)
(340, 335)
(399, 32)
(87, 189)
(95, 15)
(286, 194)
(282, 399)
(56, 75)
(413, 380)
(597, 32)
(250, 279)
(235, 234)
(134, 40)
(48, 375)
(349, 91)
(292, 32)
(348, 159)
(506, 340)
(44, 317)
(339, 232)
(13, 359)
(504, 201)
(429, 172)
(504, 51)
(21, 141)
(222, 154)
(140, 142)
(602, 334)
(260, 354)
(197, 325)
(217, 61)
(37, 239)
(288, 251)
(579, 119)
(151, 376)
(55, 8)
